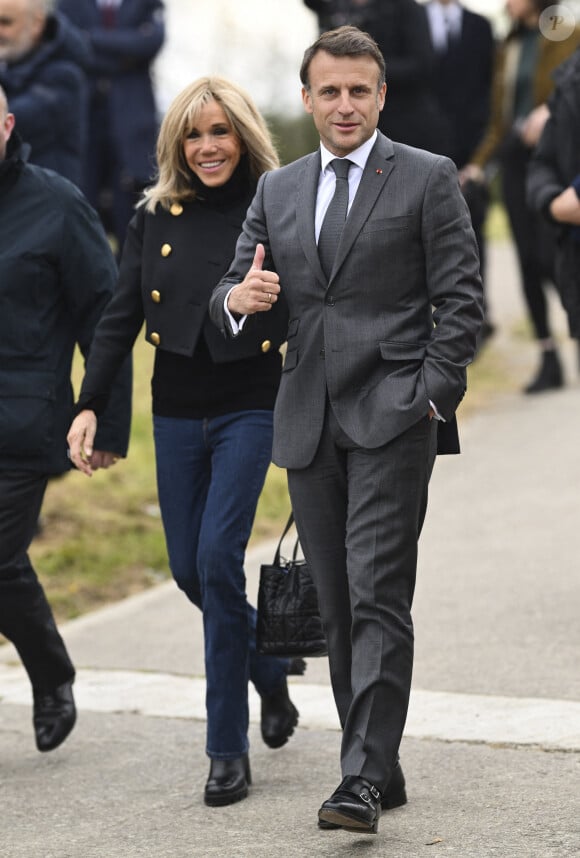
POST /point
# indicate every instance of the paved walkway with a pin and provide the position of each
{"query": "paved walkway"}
(492, 745)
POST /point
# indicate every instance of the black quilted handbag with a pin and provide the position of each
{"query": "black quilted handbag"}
(289, 621)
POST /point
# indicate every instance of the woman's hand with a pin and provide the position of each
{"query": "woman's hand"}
(565, 208)
(81, 437)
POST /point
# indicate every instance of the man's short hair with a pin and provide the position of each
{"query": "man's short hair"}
(343, 42)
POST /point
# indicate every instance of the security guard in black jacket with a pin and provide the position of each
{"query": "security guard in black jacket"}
(57, 274)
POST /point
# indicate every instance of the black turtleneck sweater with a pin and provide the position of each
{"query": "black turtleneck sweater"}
(196, 387)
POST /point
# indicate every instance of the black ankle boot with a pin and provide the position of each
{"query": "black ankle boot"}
(549, 375)
(228, 781)
(279, 717)
(54, 715)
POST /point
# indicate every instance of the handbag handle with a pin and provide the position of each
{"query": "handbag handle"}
(289, 524)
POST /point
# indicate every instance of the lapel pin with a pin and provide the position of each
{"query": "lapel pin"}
(379, 172)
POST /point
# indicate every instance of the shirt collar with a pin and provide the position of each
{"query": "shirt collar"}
(452, 12)
(358, 156)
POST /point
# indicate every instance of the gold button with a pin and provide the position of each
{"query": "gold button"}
(155, 338)
(156, 296)
(176, 209)
(266, 346)
(166, 250)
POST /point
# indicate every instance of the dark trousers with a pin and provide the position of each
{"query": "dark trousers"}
(359, 514)
(534, 238)
(25, 615)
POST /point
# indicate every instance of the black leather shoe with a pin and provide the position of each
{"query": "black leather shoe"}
(279, 716)
(227, 782)
(395, 795)
(54, 716)
(354, 806)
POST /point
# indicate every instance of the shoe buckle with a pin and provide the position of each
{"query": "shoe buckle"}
(373, 791)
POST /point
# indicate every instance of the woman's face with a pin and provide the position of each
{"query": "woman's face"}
(212, 148)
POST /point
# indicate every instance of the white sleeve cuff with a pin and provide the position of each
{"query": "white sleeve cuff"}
(437, 416)
(236, 325)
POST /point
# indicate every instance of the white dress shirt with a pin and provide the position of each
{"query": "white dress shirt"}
(444, 21)
(327, 180)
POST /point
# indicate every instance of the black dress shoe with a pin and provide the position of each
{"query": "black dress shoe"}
(354, 806)
(54, 716)
(395, 795)
(279, 716)
(227, 782)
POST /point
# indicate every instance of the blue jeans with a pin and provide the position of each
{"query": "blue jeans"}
(209, 476)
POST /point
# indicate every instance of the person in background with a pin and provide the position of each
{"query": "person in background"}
(370, 245)
(122, 39)
(461, 82)
(57, 274)
(337, 13)
(522, 83)
(553, 184)
(42, 61)
(212, 400)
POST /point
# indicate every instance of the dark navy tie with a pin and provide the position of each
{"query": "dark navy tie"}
(335, 216)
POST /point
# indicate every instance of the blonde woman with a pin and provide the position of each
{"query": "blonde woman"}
(212, 399)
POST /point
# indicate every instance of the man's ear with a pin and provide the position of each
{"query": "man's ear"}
(307, 100)
(38, 25)
(9, 123)
(382, 96)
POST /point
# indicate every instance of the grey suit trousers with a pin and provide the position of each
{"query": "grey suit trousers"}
(359, 513)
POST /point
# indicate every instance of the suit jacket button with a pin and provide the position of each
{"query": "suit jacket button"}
(166, 250)
(156, 296)
(266, 346)
(321, 353)
(155, 338)
(330, 301)
(176, 209)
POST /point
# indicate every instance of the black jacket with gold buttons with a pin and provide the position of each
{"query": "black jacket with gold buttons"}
(171, 262)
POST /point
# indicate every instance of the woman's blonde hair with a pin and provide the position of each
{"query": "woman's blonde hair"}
(173, 181)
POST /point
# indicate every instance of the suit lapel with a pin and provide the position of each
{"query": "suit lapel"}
(307, 190)
(375, 174)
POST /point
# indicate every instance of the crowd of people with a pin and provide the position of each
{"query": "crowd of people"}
(365, 259)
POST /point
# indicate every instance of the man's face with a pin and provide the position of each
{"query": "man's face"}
(6, 126)
(344, 99)
(21, 27)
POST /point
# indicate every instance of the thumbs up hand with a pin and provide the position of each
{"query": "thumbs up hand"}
(258, 291)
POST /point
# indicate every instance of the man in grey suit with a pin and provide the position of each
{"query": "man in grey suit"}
(379, 338)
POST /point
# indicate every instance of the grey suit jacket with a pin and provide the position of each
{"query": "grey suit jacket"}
(395, 325)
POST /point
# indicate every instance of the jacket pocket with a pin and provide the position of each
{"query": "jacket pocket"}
(384, 224)
(27, 412)
(395, 350)
(290, 360)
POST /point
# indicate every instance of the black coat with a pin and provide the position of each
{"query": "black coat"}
(462, 86)
(47, 93)
(170, 265)
(409, 116)
(555, 164)
(57, 274)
